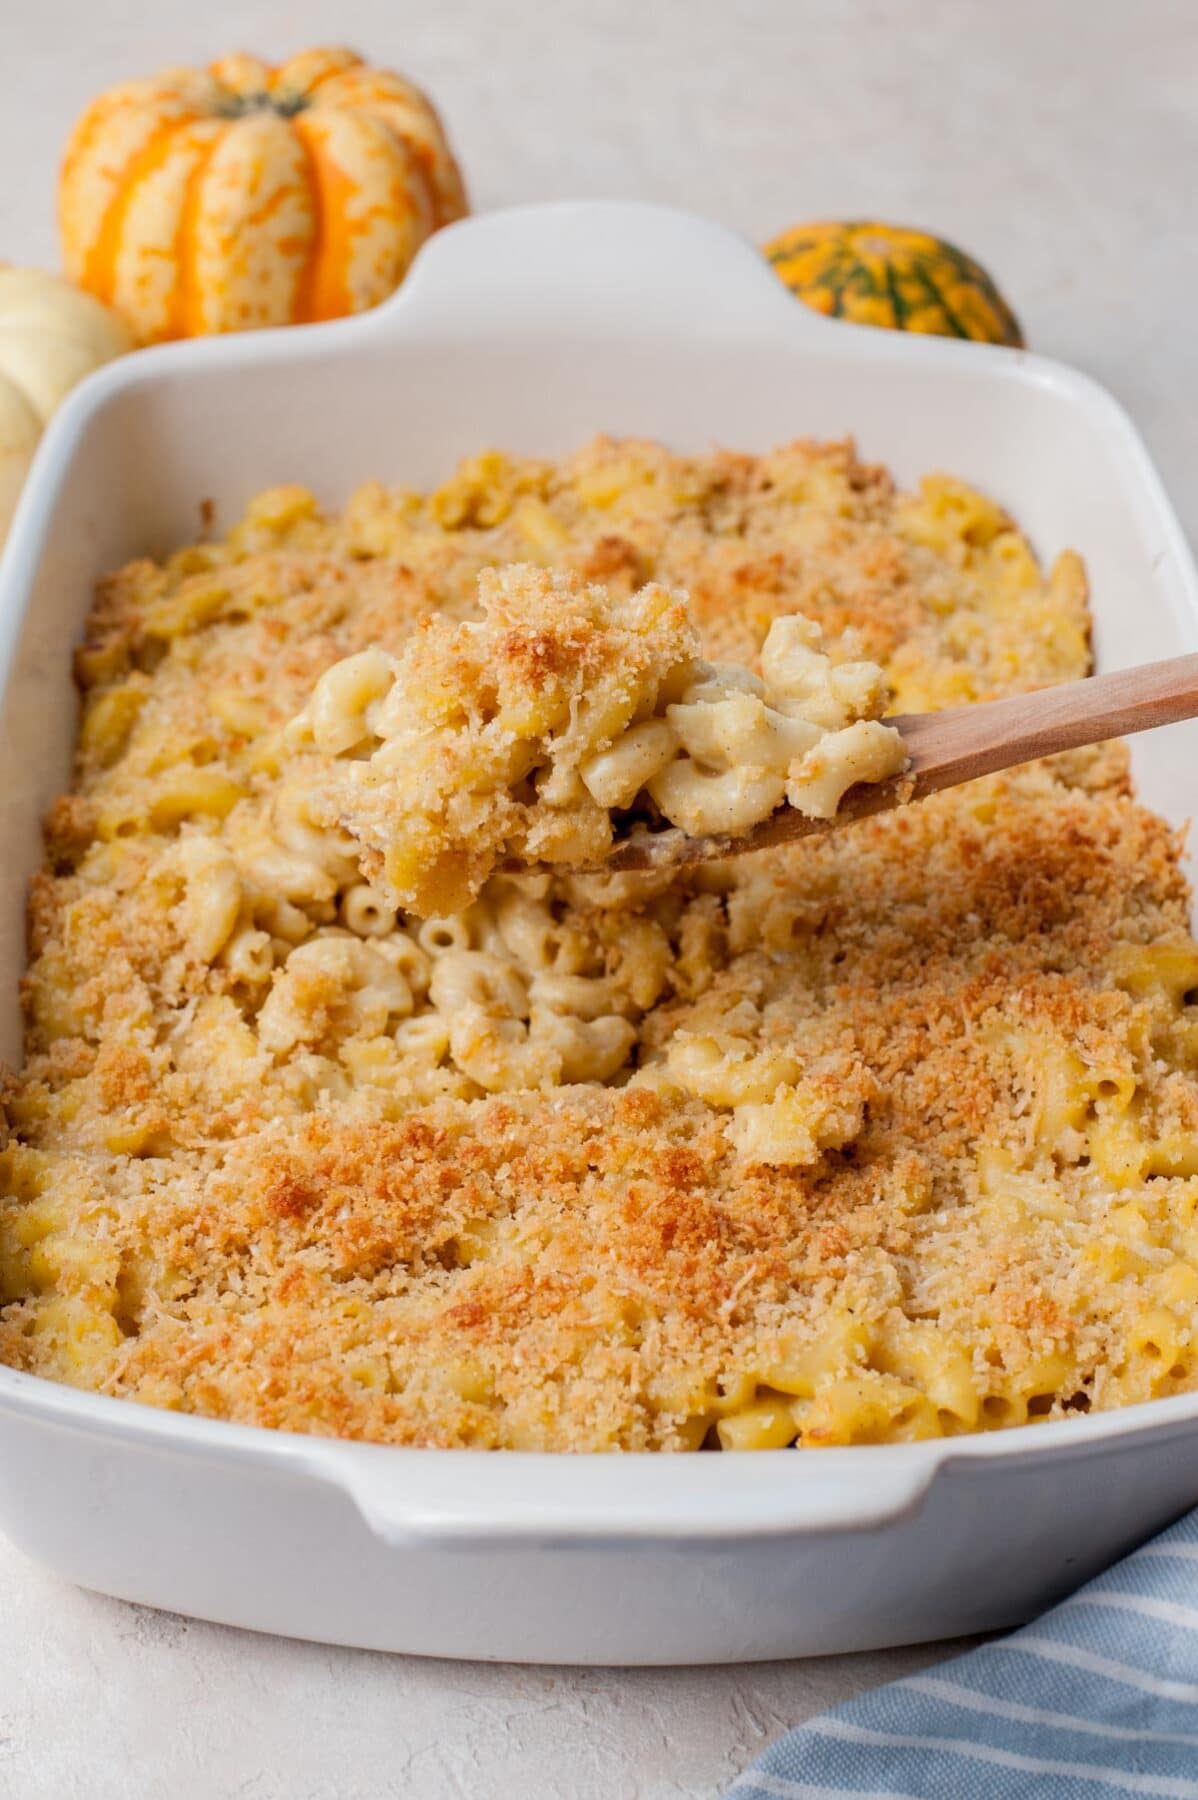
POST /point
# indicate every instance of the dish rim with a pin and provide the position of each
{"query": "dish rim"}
(415, 1497)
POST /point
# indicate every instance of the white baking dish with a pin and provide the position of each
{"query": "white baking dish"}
(532, 330)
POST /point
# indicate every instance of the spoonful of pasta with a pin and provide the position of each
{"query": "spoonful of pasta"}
(573, 728)
(946, 749)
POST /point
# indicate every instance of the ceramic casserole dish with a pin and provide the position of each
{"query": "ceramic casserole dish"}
(533, 330)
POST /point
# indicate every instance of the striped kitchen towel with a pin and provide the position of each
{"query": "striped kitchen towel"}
(1097, 1699)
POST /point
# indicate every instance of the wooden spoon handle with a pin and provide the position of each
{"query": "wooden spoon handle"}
(947, 748)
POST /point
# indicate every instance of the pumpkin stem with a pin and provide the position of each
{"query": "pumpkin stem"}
(236, 106)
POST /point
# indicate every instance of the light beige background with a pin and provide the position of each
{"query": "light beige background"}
(1058, 140)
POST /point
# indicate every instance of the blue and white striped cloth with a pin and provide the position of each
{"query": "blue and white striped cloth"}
(1096, 1700)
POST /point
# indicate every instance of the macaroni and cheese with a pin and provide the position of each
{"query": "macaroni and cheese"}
(513, 738)
(882, 1135)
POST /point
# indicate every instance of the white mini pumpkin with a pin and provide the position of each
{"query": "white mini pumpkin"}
(51, 336)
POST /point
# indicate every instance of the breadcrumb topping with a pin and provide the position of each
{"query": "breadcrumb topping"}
(898, 1134)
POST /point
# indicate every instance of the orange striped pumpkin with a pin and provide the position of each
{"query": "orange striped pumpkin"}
(243, 195)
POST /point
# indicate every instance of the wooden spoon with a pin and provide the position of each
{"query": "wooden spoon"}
(948, 748)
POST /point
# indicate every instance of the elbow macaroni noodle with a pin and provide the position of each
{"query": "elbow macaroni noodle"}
(879, 1137)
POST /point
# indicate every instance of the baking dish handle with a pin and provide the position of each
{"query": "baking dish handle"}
(468, 1498)
(602, 267)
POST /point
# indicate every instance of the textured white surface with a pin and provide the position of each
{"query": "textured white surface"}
(1051, 140)
(102, 1701)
